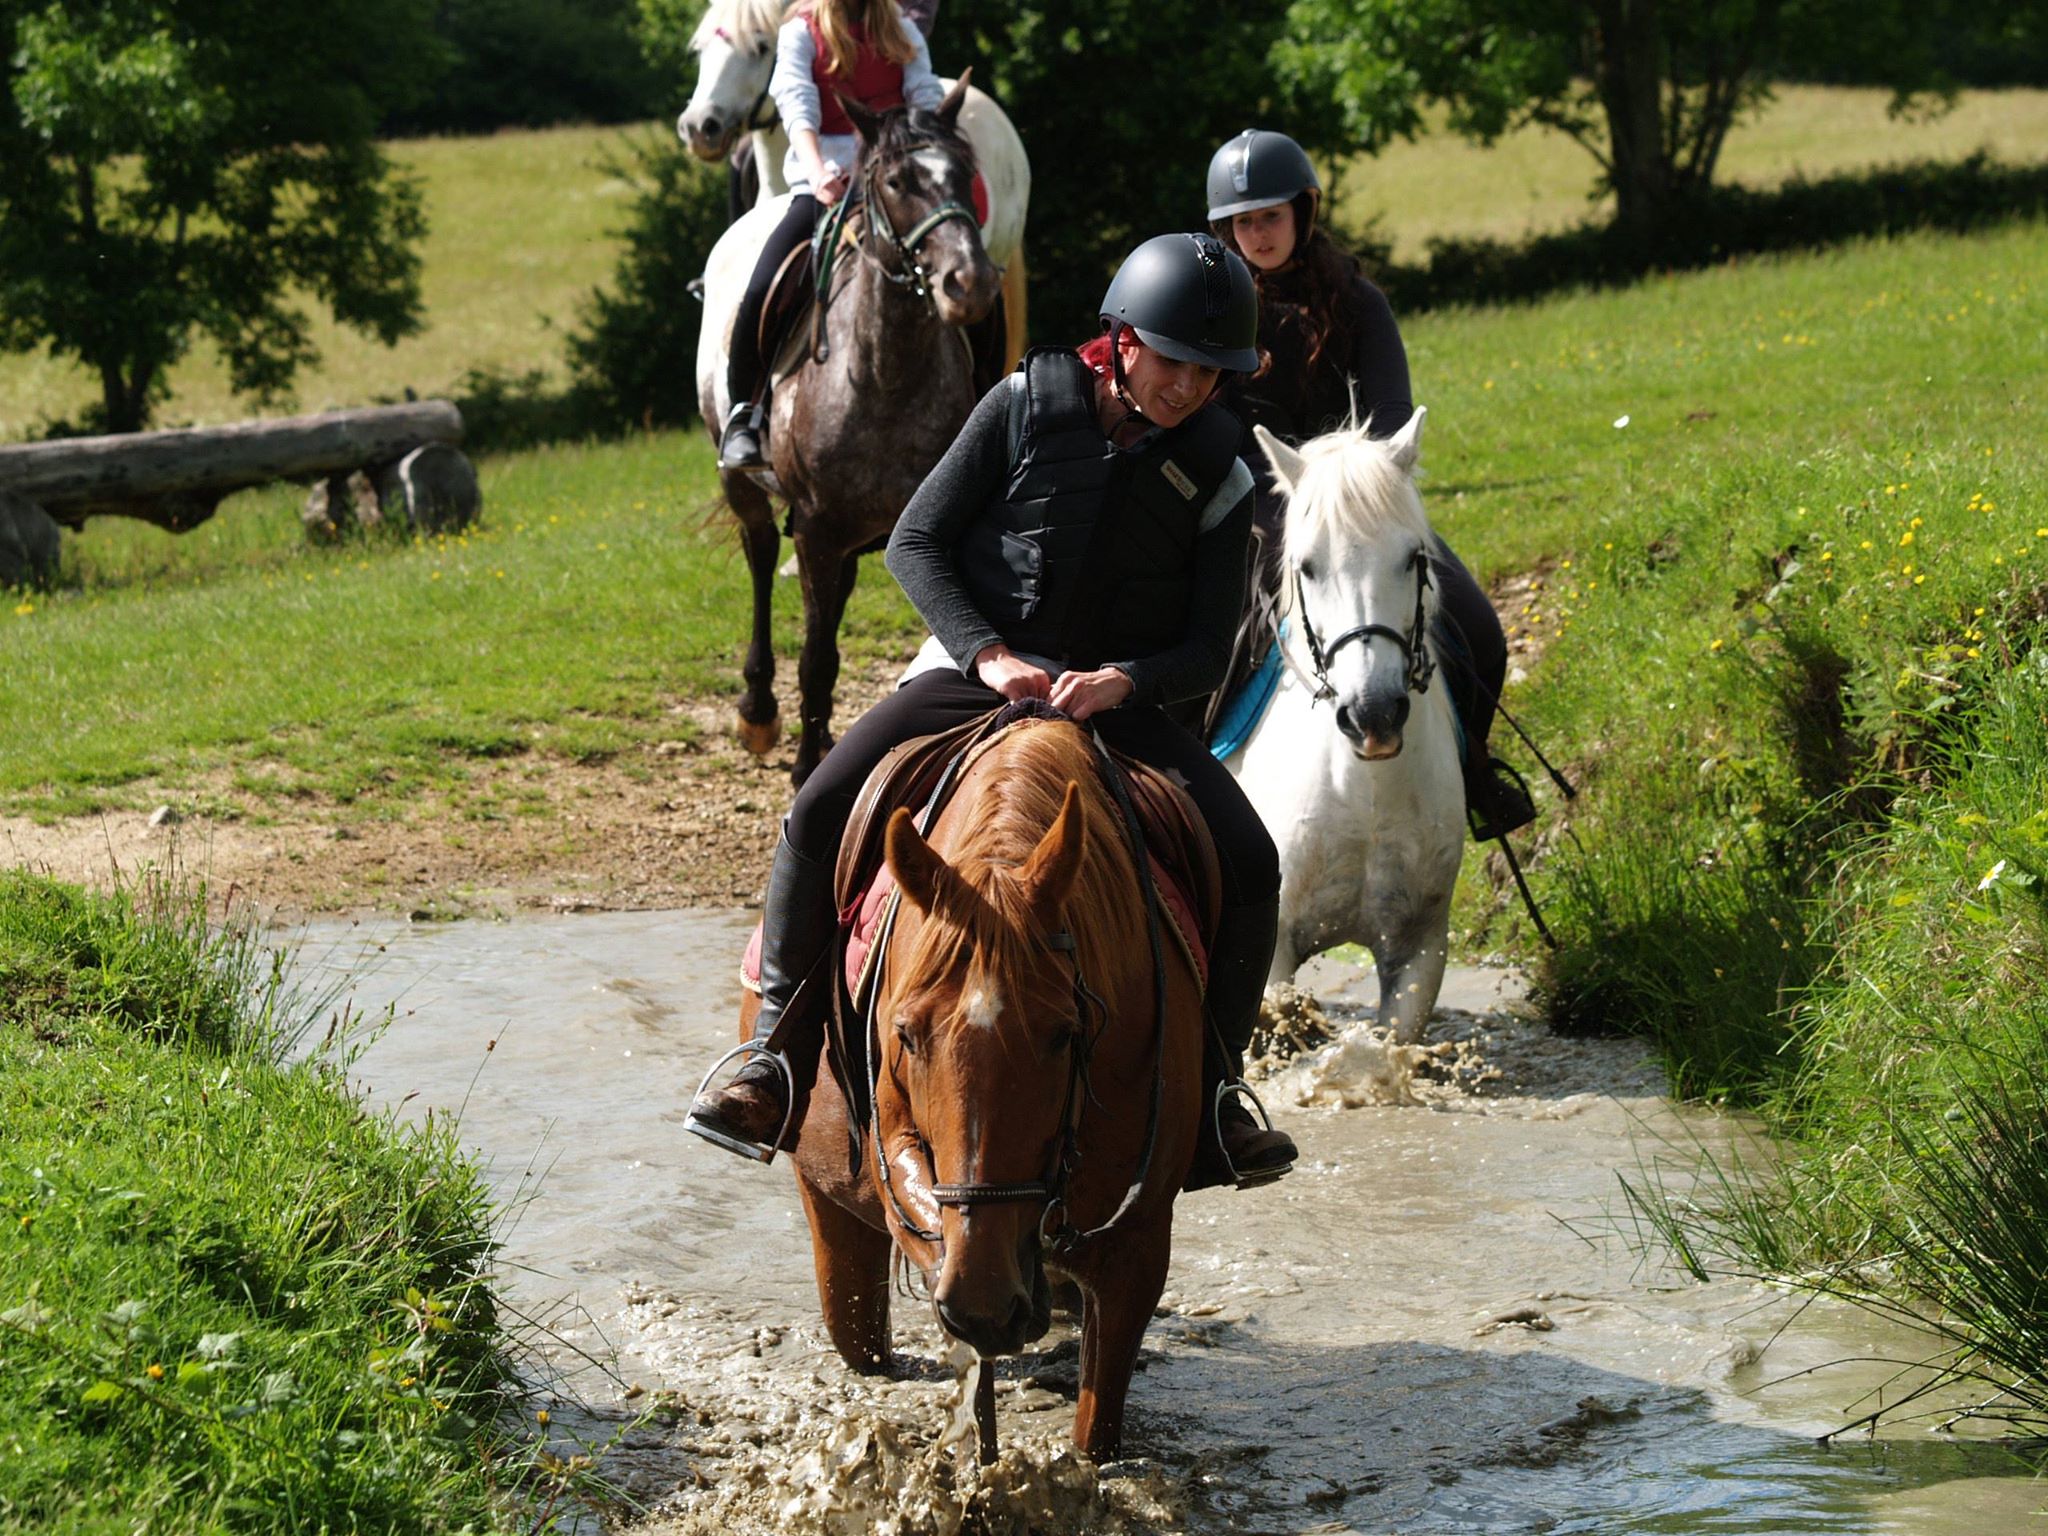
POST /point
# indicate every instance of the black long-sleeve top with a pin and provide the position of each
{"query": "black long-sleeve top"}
(1363, 353)
(973, 474)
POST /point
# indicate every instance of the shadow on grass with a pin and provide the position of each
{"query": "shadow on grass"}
(1721, 223)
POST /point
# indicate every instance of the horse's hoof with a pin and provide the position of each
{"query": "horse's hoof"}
(760, 739)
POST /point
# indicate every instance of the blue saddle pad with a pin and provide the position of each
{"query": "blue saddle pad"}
(1247, 706)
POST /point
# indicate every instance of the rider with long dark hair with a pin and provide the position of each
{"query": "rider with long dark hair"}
(1083, 541)
(1335, 353)
(865, 51)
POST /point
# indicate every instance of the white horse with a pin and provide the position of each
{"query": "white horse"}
(1355, 766)
(735, 48)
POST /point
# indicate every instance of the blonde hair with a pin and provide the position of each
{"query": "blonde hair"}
(880, 21)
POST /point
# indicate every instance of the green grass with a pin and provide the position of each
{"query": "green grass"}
(597, 592)
(230, 1297)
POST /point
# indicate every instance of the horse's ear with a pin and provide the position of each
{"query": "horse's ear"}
(922, 874)
(1286, 463)
(1406, 444)
(948, 111)
(1055, 864)
(867, 126)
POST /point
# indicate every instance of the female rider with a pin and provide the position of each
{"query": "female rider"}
(1333, 351)
(862, 50)
(1083, 541)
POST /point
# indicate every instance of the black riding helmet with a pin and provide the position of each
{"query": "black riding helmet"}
(1189, 298)
(1258, 169)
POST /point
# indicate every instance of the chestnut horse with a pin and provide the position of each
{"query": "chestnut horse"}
(1036, 1063)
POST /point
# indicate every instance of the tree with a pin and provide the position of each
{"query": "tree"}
(172, 168)
(1649, 88)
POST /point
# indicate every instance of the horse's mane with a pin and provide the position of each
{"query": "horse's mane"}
(1352, 488)
(1019, 783)
(746, 23)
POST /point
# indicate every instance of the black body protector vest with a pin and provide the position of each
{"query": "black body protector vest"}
(1088, 556)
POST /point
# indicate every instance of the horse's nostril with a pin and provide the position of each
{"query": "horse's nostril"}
(1348, 722)
(1400, 712)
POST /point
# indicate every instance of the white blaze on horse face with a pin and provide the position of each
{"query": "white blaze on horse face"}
(982, 1007)
(936, 165)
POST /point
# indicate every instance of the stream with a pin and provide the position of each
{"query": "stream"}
(1433, 1325)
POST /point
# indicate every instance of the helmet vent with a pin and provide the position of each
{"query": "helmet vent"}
(1215, 277)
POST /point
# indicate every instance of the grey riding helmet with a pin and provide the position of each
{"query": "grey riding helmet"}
(1258, 169)
(1189, 298)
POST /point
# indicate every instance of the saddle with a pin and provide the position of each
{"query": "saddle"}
(795, 305)
(1179, 850)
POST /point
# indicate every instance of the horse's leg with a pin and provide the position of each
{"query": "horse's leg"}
(1410, 982)
(760, 718)
(852, 1263)
(828, 579)
(1120, 1300)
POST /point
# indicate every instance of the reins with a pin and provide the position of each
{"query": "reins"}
(1055, 1231)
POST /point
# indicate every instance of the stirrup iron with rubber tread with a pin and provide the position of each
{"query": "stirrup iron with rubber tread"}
(699, 1121)
(1227, 1092)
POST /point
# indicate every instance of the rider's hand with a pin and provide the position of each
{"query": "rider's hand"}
(1081, 694)
(1009, 674)
(830, 183)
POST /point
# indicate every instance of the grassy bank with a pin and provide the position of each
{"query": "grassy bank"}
(229, 1297)
(1789, 529)
(522, 225)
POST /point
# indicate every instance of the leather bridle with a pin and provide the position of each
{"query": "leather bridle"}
(909, 271)
(1418, 663)
(1049, 1190)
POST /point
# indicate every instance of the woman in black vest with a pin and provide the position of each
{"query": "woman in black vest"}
(1333, 351)
(1083, 541)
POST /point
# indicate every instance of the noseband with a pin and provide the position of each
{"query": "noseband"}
(1417, 661)
(909, 271)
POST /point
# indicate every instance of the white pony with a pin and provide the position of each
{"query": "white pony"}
(735, 48)
(1355, 766)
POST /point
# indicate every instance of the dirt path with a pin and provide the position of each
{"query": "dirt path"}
(678, 825)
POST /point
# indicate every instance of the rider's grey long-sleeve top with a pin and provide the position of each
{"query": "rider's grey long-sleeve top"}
(973, 474)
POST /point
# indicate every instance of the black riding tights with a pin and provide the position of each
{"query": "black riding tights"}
(744, 363)
(934, 701)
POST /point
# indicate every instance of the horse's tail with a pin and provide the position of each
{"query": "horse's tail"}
(1016, 327)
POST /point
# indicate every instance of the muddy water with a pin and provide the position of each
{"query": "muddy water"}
(1426, 1328)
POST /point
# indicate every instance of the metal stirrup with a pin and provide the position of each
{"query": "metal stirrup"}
(759, 1152)
(1240, 1089)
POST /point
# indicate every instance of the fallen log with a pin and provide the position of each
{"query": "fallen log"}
(176, 479)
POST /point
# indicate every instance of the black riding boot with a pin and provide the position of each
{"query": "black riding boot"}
(1235, 1147)
(796, 932)
(739, 445)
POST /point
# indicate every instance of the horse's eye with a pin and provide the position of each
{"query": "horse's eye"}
(906, 1039)
(1308, 570)
(895, 181)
